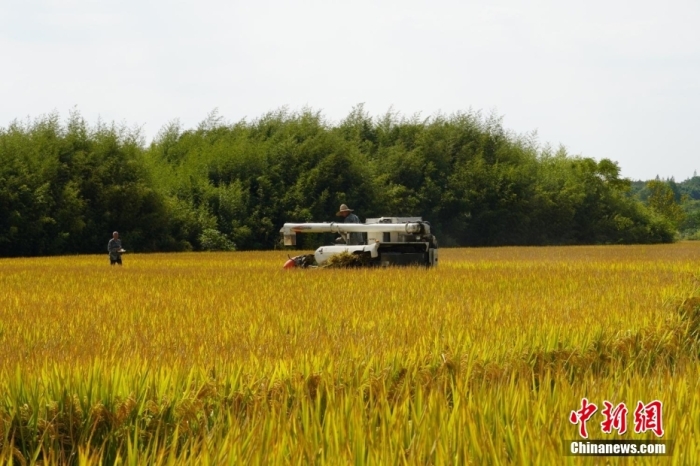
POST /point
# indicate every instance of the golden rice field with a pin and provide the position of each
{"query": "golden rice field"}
(225, 358)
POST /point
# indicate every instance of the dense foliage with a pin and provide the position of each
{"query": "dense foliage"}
(679, 202)
(65, 186)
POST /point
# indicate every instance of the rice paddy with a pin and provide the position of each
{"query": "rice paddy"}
(225, 358)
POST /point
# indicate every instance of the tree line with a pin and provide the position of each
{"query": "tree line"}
(677, 201)
(66, 185)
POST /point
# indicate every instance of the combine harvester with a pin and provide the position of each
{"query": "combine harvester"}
(391, 241)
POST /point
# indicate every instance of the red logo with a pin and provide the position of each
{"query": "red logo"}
(581, 416)
(648, 417)
(615, 418)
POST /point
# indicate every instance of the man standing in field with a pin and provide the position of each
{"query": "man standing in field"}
(344, 211)
(115, 249)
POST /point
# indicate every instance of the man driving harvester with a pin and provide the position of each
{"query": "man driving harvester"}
(353, 238)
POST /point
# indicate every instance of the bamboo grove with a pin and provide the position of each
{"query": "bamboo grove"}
(66, 185)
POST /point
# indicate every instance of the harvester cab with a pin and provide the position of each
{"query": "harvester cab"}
(391, 241)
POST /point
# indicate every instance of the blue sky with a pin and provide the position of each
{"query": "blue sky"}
(607, 79)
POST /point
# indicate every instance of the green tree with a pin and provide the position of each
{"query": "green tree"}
(662, 200)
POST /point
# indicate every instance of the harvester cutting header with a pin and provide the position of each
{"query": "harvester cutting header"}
(389, 241)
